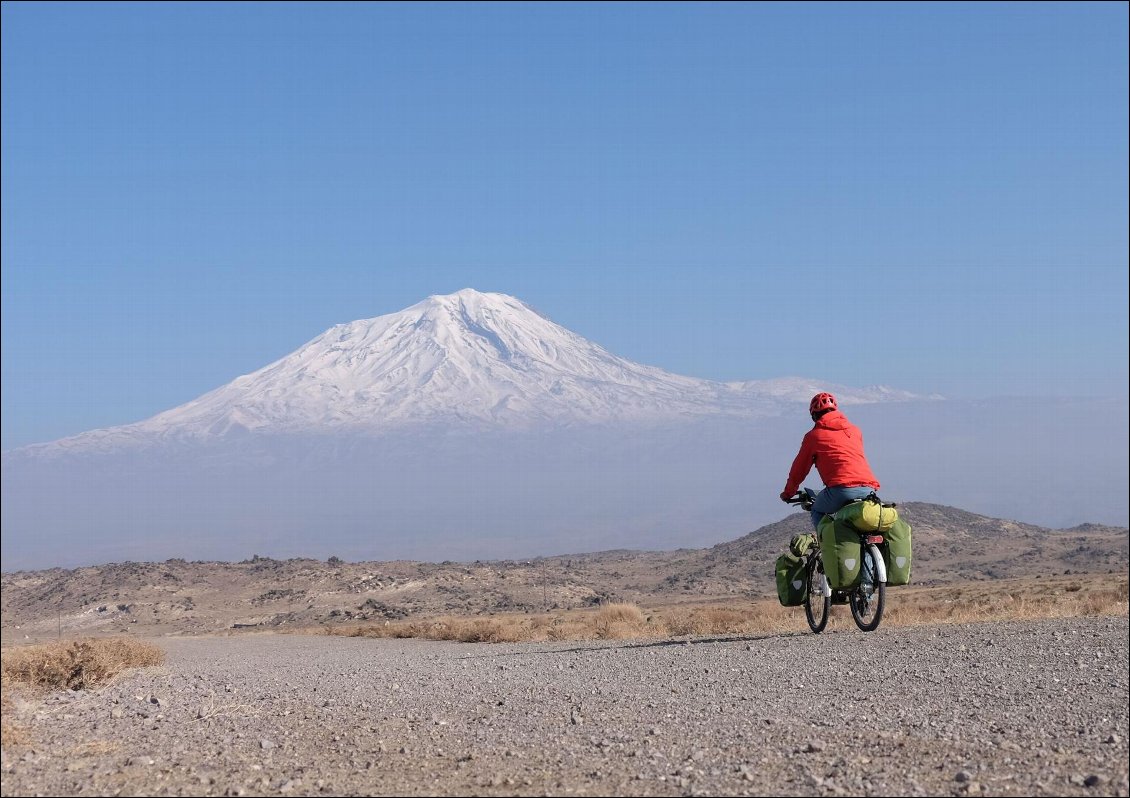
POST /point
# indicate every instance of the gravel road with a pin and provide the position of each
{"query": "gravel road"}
(1031, 708)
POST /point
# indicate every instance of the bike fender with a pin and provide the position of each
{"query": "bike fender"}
(880, 565)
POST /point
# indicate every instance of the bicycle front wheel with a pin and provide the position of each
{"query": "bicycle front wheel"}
(816, 605)
(867, 598)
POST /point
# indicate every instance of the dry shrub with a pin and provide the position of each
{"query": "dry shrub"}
(619, 622)
(621, 613)
(76, 665)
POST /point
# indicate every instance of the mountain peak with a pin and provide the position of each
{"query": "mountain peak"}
(470, 295)
(469, 307)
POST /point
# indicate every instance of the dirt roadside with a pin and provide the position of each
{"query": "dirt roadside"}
(1022, 708)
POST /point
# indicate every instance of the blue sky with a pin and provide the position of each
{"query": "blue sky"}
(928, 196)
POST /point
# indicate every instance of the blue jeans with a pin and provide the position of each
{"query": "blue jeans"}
(831, 499)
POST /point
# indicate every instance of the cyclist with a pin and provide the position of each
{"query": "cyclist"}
(835, 446)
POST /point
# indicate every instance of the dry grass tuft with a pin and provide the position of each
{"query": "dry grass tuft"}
(76, 665)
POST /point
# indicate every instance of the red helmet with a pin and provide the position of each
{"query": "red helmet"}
(822, 402)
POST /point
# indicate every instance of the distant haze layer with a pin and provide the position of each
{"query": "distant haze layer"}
(471, 427)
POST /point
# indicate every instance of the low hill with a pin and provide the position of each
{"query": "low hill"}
(951, 545)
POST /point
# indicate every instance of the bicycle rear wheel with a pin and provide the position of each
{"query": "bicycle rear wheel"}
(867, 598)
(816, 605)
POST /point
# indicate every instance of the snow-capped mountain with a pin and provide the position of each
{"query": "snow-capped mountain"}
(467, 358)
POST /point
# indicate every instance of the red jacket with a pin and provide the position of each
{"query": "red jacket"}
(835, 446)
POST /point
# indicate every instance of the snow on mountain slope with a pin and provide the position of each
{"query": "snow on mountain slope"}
(468, 358)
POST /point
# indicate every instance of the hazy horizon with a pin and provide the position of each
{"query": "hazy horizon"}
(509, 495)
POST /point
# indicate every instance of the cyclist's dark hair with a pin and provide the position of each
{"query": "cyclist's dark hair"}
(821, 413)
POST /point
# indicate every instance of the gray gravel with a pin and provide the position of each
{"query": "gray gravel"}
(1033, 708)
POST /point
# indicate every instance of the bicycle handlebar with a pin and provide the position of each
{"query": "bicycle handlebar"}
(805, 497)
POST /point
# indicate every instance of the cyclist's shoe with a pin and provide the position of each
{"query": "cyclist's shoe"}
(839, 597)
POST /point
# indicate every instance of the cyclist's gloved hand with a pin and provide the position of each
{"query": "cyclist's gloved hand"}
(785, 496)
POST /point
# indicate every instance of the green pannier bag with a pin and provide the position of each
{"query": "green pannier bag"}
(792, 587)
(896, 553)
(868, 515)
(840, 549)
